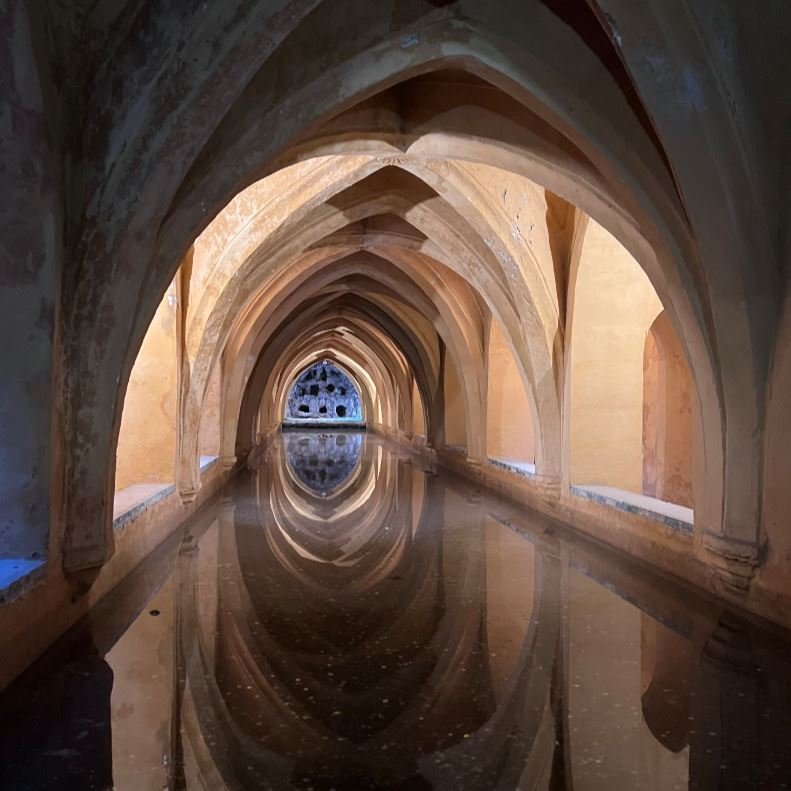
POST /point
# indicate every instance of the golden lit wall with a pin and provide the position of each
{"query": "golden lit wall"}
(455, 429)
(509, 421)
(147, 441)
(614, 305)
(668, 393)
(210, 416)
(418, 419)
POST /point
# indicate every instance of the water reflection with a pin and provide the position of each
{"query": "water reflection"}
(321, 461)
(400, 636)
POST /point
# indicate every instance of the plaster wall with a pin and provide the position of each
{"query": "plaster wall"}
(30, 267)
(455, 426)
(210, 415)
(777, 492)
(509, 420)
(668, 396)
(147, 440)
(418, 418)
(614, 307)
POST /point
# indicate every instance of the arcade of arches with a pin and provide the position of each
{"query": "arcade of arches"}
(546, 243)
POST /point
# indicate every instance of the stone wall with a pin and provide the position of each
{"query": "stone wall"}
(147, 441)
(614, 305)
(455, 417)
(509, 417)
(668, 401)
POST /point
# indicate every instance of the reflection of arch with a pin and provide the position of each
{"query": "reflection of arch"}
(515, 731)
(387, 650)
(335, 540)
(668, 399)
(324, 391)
(667, 660)
(323, 463)
(420, 643)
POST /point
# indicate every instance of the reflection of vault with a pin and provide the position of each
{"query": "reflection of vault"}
(356, 670)
(324, 463)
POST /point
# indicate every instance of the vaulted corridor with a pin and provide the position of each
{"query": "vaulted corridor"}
(372, 274)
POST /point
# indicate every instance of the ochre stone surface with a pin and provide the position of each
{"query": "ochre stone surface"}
(614, 306)
(509, 414)
(210, 420)
(668, 396)
(455, 413)
(147, 440)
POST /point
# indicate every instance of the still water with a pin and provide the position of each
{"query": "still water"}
(342, 619)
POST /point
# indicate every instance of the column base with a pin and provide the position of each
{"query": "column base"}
(188, 496)
(549, 487)
(734, 562)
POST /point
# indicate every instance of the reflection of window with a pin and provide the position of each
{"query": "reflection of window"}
(323, 392)
(322, 461)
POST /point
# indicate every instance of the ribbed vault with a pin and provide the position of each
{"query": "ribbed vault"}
(391, 237)
(427, 193)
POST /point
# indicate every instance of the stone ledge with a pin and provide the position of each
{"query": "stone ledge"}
(326, 425)
(129, 503)
(50, 603)
(710, 563)
(523, 468)
(132, 501)
(18, 575)
(676, 517)
(208, 461)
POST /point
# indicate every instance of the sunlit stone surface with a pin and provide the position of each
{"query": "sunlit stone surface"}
(400, 632)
